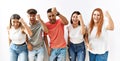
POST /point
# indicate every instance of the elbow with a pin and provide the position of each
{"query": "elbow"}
(66, 23)
(112, 28)
(82, 32)
(30, 34)
(46, 31)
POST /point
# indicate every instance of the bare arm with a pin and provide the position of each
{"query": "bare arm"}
(27, 29)
(29, 45)
(110, 25)
(47, 46)
(68, 39)
(9, 38)
(45, 29)
(82, 24)
(63, 18)
(87, 40)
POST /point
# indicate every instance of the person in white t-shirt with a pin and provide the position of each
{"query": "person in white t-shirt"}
(17, 35)
(76, 31)
(97, 35)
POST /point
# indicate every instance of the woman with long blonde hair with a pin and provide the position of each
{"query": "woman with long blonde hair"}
(97, 35)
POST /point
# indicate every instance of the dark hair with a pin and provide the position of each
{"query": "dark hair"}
(14, 16)
(32, 11)
(49, 10)
(75, 12)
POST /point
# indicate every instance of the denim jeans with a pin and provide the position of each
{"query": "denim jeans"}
(18, 51)
(58, 54)
(98, 57)
(77, 52)
(36, 55)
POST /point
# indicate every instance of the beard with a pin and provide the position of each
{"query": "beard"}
(52, 21)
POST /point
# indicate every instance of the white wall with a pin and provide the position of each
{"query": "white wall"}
(66, 7)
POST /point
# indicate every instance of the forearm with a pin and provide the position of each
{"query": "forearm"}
(110, 23)
(46, 41)
(64, 19)
(82, 25)
(9, 41)
(45, 29)
(27, 29)
(27, 39)
(86, 39)
(83, 28)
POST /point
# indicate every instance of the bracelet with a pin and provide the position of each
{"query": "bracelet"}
(58, 14)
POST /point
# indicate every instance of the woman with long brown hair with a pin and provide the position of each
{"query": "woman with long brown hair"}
(97, 35)
(18, 32)
(76, 31)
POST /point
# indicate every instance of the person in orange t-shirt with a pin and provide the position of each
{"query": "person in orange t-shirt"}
(57, 49)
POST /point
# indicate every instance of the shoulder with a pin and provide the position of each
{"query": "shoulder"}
(47, 23)
(69, 26)
(59, 21)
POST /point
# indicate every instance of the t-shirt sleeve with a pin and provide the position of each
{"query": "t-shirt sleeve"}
(60, 21)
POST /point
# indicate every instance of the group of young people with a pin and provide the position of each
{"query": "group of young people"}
(28, 42)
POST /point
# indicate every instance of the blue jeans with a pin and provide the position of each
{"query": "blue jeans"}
(98, 57)
(18, 51)
(77, 52)
(58, 54)
(36, 55)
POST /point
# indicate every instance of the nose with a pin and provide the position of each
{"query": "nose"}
(75, 19)
(31, 17)
(15, 23)
(51, 17)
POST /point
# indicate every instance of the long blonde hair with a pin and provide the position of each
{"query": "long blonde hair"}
(100, 23)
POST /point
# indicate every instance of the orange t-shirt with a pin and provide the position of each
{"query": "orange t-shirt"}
(56, 34)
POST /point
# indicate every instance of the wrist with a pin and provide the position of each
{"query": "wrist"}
(57, 14)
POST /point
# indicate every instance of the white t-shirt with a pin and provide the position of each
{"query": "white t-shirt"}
(98, 44)
(75, 35)
(16, 36)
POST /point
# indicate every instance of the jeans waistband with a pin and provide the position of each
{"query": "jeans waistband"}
(77, 44)
(20, 44)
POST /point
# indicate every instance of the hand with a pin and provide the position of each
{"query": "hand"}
(49, 51)
(22, 21)
(38, 17)
(79, 17)
(29, 46)
(107, 14)
(89, 46)
(54, 10)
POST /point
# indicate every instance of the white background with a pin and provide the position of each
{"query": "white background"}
(65, 7)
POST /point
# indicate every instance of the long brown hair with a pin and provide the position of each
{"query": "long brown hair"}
(75, 12)
(100, 23)
(14, 16)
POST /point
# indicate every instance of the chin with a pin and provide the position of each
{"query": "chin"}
(96, 21)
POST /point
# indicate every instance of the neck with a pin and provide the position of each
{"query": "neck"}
(96, 24)
(52, 22)
(34, 23)
(75, 25)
